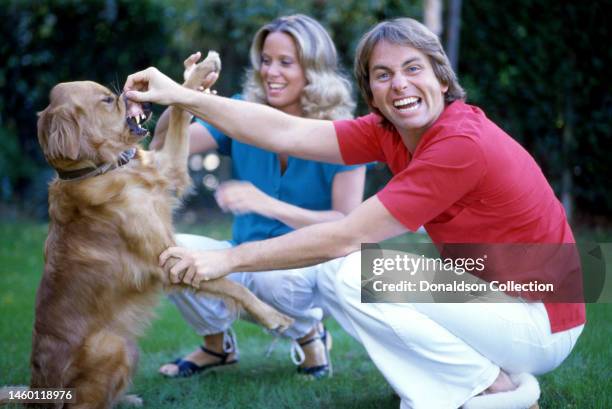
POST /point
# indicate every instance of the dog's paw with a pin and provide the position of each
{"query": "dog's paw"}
(132, 400)
(277, 321)
(212, 63)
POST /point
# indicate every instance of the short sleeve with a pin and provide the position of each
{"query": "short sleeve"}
(331, 170)
(358, 139)
(224, 142)
(434, 180)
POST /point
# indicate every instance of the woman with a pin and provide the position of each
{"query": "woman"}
(456, 173)
(294, 69)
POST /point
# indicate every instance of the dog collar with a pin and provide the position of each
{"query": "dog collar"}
(91, 171)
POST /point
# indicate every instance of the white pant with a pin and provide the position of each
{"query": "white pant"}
(438, 355)
(290, 291)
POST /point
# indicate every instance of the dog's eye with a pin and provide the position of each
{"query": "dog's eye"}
(108, 100)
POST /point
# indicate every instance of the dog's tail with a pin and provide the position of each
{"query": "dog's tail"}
(7, 393)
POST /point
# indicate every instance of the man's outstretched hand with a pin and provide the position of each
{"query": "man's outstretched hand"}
(151, 85)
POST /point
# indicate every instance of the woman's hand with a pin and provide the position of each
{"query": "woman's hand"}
(243, 197)
(151, 85)
(194, 266)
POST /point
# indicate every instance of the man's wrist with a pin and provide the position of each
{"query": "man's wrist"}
(188, 99)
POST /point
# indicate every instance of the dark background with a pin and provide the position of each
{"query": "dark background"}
(538, 68)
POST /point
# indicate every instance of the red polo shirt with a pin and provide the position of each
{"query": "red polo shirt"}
(467, 182)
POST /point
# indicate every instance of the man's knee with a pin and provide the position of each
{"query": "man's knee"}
(340, 278)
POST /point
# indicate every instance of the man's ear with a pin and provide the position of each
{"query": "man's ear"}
(59, 133)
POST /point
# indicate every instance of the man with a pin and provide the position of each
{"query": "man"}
(455, 172)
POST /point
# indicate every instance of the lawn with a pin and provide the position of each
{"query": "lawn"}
(583, 381)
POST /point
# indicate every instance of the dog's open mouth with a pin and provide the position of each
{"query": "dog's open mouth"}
(136, 115)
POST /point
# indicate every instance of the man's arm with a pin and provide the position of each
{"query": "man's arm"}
(248, 122)
(266, 127)
(369, 223)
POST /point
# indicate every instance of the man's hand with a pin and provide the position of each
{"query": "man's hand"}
(151, 85)
(194, 266)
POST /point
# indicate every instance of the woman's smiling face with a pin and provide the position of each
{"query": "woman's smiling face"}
(281, 73)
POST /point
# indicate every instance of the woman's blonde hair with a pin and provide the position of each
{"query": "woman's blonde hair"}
(327, 94)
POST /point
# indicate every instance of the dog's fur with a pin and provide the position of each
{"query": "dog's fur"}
(102, 278)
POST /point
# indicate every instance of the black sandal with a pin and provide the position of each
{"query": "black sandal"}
(318, 371)
(187, 368)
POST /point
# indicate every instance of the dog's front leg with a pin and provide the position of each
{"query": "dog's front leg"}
(172, 158)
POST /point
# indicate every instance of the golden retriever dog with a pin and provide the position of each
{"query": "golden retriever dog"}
(110, 212)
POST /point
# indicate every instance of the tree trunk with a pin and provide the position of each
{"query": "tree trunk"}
(432, 13)
(567, 198)
(453, 32)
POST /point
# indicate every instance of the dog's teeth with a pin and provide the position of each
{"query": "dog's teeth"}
(143, 116)
(137, 119)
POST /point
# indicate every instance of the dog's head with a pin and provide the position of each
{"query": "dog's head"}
(86, 122)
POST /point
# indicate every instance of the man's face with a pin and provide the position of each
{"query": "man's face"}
(404, 88)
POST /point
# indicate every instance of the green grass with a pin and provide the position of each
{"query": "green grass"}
(583, 381)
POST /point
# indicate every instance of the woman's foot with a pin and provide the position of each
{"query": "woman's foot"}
(315, 347)
(218, 350)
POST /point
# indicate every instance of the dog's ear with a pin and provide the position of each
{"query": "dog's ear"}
(59, 133)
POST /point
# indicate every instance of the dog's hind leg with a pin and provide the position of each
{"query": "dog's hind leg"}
(242, 296)
(131, 400)
(107, 362)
